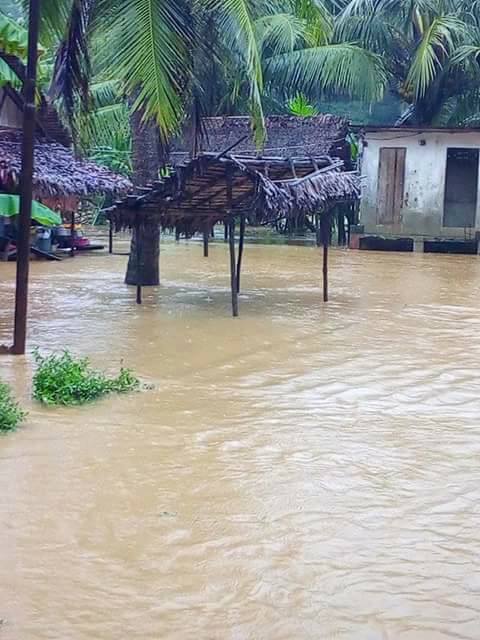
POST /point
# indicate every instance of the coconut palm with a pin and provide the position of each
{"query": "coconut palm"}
(427, 46)
(167, 54)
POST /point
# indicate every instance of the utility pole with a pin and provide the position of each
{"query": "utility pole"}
(26, 182)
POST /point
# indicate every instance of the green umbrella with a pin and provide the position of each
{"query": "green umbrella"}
(10, 206)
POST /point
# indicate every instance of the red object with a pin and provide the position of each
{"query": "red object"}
(81, 242)
(355, 241)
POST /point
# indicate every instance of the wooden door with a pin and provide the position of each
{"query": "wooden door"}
(461, 188)
(391, 185)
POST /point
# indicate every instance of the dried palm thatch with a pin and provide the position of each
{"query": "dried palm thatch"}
(312, 194)
(57, 171)
(212, 188)
(287, 136)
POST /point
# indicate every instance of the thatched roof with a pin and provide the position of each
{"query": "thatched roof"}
(287, 136)
(49, 125)
(57, 171)
(212, 187)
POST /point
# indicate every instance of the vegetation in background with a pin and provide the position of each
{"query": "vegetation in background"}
(177, 61)
(11, 415)
(66, 380)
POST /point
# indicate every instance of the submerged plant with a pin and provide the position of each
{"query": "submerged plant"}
(66, 380)
(11, 415)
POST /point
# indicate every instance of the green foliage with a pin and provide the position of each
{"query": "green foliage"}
(10, 413)
(66, 380)
(13, 37)
(430, 52)
(301, 107)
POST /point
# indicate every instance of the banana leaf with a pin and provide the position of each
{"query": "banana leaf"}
(10, 206)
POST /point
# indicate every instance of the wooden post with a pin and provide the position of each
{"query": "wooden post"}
(318, 230)
(240, 250)
(139, 255)
(72, 235)
(233, 267)
(225, 237)
(325, 230)
(26, 183)
(110, 238)
(206, 237)
(5, 252)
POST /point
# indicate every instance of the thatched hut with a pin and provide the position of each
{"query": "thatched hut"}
(61, 179)
(229, 188)
(287, 136)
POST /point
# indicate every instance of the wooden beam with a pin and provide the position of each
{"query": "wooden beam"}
(26, 183)
(325, 231)
(72, 235)
(233, 266)
(139, 255)
(206, 237)
(232, 146)
(240, 249)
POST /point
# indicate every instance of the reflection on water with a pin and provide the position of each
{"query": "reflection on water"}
(305, 471)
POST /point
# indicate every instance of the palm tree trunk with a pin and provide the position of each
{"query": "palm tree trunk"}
(143, 264)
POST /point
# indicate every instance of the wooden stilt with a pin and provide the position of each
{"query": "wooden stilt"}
(233, 267)
(240, 250)
(139, 257)
(72, 235)
(26, 182)
(110, 238)
(318, 230)
(325, 230)
(206, 238)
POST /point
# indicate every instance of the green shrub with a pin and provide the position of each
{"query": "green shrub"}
(66, 380)
(10, 413)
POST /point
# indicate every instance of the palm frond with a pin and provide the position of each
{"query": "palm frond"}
(280, 33)
(319, 19)
(54, 18)
(71, 74)
(372, 31)
(8, 76)
(236, 23)
(13, 37)
(104, 93)
(435, 47)
(151, 53)
(344, 69)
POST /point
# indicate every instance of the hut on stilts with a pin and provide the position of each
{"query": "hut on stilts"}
(235, 189)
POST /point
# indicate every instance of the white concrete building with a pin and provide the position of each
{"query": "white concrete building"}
(421, 184)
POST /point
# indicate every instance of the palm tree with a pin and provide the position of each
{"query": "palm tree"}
(173, 59)
(429, 49)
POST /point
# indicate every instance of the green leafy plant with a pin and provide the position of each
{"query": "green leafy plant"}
(299, 106)
(11, 415)
(66, 380)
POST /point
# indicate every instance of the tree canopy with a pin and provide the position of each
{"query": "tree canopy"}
(175, 60)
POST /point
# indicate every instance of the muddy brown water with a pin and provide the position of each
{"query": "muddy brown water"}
(305, 471)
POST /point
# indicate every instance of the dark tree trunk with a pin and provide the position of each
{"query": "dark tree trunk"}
(146, 164)
(145, 270)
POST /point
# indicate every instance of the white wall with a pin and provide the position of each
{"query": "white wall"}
(425, 169)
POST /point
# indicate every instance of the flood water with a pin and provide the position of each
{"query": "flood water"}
(306, 471)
